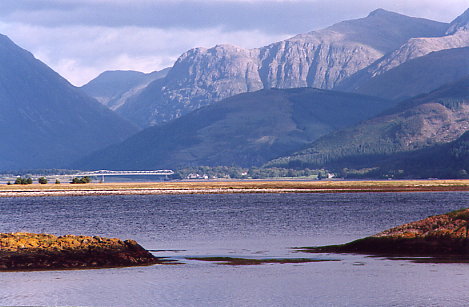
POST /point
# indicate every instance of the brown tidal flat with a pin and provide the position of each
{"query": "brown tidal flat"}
(248, 261)
(220, 187)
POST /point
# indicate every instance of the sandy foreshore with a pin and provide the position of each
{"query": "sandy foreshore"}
(224, 187)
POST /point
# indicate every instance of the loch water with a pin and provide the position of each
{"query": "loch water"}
(236, 225)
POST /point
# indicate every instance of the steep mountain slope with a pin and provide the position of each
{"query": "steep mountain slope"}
(114, 88)
(456, 36)
(461, 23)
(45, 121)
(439, 117)
(245, 130)
(317, 59)
(420, 75)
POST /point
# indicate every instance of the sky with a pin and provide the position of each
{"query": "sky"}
(82, 38)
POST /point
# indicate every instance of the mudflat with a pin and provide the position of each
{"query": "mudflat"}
(241, 186)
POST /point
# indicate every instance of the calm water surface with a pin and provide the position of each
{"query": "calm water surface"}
(246, 225)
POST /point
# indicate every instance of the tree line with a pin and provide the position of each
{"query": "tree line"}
(43, 180)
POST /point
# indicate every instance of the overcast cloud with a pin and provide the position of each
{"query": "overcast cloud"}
(82, 38)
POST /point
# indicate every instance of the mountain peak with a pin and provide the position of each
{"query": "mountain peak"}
(6, 41)
(381, 12)
(461, 22)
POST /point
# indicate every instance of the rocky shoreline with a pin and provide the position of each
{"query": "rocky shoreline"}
(445, 235)
(29, 251)
(440, 235)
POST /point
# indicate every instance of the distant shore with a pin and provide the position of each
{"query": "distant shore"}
(231, 187)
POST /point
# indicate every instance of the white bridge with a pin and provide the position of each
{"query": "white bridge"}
(164, 172)
(102, 173)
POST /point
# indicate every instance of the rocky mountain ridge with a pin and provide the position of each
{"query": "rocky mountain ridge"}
(459, 24)
(318, 59)
(456, 36)
(417, 76)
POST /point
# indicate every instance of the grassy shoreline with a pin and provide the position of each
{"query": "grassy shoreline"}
(220, 187)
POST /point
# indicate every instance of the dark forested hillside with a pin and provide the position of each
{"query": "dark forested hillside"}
(439, 117)
(244, 130)
(450, 160)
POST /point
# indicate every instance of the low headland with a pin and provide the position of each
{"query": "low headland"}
(29, 251)
(445, 235)
(240, 186)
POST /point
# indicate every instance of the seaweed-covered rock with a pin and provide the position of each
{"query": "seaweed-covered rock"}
(446, 234)
(29, 251)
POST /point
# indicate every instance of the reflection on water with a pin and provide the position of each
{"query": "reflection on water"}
(255, 226)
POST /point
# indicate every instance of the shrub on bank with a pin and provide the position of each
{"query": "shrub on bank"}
(85, 179)
(23, 180)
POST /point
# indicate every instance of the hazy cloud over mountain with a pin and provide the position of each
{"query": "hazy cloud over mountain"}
(81, 38)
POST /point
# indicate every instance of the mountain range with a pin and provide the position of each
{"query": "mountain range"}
(320, 59)
(303, 102)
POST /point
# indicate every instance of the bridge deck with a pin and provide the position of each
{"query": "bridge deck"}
(122, 173)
